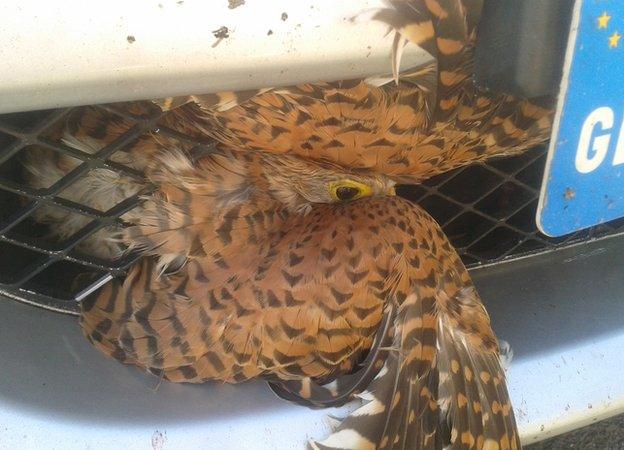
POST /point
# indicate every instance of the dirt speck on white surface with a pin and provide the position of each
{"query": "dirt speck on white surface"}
(220, 34)
(158, 440)
(235, 3)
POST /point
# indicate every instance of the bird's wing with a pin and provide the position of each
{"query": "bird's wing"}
(293, 304)
(442, 385)
(472, 381)
(280, 293)
(413, 125)
(304, 300)
(343, 388)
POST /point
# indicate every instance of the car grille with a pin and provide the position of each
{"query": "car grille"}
(487, 211)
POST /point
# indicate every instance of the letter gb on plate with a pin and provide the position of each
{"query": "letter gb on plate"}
(584, 178)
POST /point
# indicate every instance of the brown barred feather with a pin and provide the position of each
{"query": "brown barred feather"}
(269, 291)
(411, 131)
(273, 278)
(442, 385)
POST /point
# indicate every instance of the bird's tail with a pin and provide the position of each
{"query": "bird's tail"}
(442, 385)
(444, 28)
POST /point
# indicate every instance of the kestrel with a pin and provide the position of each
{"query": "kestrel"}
(409, 126)
(288, 268)
(283, 254)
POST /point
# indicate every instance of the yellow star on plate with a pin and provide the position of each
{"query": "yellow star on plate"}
(603, 21)
(614, 39)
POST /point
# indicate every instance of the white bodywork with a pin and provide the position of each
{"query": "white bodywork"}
(72, 52)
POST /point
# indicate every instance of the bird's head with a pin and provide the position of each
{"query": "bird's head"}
(300, 183)
(225, 192)
(224, 181)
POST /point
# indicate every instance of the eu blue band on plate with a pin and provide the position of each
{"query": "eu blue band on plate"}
(584, 177)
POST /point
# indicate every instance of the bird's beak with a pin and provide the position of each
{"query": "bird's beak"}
(391, 192)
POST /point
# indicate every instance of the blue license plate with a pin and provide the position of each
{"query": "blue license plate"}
(584, 178)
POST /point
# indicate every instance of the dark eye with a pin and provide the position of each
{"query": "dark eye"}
(346, 193)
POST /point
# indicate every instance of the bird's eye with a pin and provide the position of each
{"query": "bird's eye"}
(347, 190)
(345, 193)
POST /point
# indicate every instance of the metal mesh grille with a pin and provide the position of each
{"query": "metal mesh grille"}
(487, 210)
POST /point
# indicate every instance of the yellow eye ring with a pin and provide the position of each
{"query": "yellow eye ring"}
(347, 190)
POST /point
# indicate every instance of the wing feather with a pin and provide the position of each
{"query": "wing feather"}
(455, 397)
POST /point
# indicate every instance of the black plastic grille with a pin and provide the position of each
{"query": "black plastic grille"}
(487, 210)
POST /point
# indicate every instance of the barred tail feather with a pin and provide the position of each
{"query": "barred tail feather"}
(452, 398)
